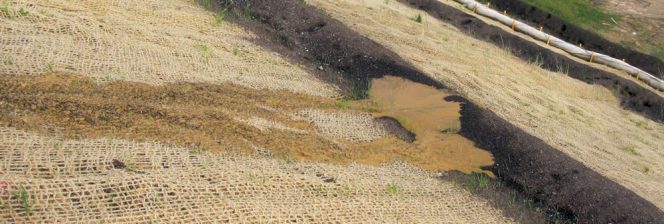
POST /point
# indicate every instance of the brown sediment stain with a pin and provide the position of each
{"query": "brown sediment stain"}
(199, 116)
(435, 121)
(205, 117)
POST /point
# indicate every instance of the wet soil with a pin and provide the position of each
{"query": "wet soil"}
(200, 116)
(525, 162)
(577, 35)
(632, 96)
(436, 123)
(204, 117)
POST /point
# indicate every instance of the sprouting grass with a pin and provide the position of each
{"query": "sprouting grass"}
(642, 124)
(24, 198)
(5, 10)
(392, 189)
(285, 156)
(360, 92)
(343, 104)
(237, 51)
(538, 61)
(418, 18)
(246, 12)
(205, 51)
(8, 61)
(196, 150)
(630, 150)
(646, 170)
(49, 68)
(23, 12)
(363, 105)
(579, 12)
(219, 17)
(204, 3)
(476, 182)
(57, 144)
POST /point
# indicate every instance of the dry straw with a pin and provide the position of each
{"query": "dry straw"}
(105, 180)
(150, 41)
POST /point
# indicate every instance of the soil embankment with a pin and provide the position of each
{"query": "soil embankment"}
(632, 95)
(574, 34)
(530, 165)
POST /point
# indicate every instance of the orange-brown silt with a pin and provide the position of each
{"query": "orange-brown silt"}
(435, 121)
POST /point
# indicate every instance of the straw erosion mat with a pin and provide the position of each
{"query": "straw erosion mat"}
(139, 111)
(79, 77)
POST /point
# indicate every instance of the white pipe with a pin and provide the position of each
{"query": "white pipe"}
(567, 47)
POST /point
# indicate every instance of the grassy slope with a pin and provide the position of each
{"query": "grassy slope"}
(585, 14)
(579, 12)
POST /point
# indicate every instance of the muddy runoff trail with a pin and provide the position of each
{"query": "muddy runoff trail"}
(307, 35)
(214, 118)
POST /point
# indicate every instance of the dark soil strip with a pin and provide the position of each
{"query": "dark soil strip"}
(539, 171)
(535, 168)
(633, 96)
(575, 34)
(513, 203)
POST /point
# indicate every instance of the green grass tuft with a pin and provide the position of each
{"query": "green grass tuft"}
(476, 182)
(579, 12)
(646, 169)
(630, 150)
(343, 104)
(204, 3)
(392, 189)
(219, 17)
(49, 68)
(418, 18)
(24, 198)
(8, 61)
(23, 12)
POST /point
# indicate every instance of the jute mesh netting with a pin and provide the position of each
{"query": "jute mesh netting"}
(353, 127)
(70, 181)
(150, 41)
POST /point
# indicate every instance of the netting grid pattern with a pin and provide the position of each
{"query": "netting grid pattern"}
(150, 41)
(71, 181)
(353, 127)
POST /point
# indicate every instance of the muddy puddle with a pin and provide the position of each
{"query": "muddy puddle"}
(435, 121)
(203, 116)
